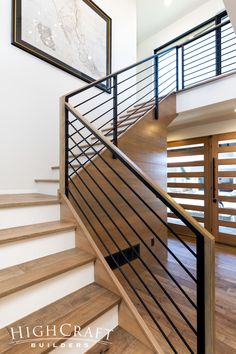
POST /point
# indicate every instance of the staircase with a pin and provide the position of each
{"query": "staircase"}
(48, 281)
(87, 271)
(113, 172)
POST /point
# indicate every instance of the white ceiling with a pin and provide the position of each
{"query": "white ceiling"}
(154, 15)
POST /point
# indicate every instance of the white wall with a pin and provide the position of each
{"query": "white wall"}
(230, 6)
(30, 91)
(219, 90)
(199, 15)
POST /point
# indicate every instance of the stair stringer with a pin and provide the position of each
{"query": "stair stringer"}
(129, 318)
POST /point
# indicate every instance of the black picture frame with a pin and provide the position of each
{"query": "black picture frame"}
(20, 43)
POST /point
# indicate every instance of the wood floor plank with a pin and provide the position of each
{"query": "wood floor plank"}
(120, 342)
(225, 297)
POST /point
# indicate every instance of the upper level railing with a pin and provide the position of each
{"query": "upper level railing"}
(93, 118)
(202, 57)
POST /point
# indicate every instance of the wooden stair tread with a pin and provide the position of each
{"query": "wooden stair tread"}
(21, 200)
(79, 308)
(46, 180)
(31, 231)
(80, 154)
(110, 129)
(129, 116)
(145, 104)
(58, 167)
(139, 109)
(18, 277)
(120, 342)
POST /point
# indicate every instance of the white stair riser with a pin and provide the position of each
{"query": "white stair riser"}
(22, 251)
(22, 216)
(98, 328)
(24, 302)
(47, 188)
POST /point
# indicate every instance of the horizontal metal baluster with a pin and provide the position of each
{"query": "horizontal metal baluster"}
(135, 272)
(109, 148)
(137, 255)
(134, 75)
(150, 229)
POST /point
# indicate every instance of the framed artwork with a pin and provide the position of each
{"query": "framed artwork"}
(73, 35)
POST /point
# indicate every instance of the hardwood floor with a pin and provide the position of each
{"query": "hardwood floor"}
(225, 299)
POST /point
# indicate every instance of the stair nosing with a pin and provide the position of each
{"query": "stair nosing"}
(47, 276)
(57, 229)
(47, 181)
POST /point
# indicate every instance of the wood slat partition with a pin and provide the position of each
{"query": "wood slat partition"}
(224, 204)
(215, 186)
(190, 179)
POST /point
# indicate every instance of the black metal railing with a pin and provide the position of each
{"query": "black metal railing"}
(206, 55)
(132, 93)
(114, 210)
(121, 206)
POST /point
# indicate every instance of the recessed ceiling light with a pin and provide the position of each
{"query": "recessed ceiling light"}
(167, 2)
(235, 110)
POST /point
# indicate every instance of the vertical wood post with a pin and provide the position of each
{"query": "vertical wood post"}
(62, 143)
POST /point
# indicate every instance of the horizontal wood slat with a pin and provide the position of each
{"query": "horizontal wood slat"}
(187, 196)
(185, 185)
(186, 164)
(224, 198)
(227, 224)
(173, 216)
(226, 162)
(226, 186)
(227, 174)
(185, 152)
(227, 211)
(188, 142)
(226, 149)
(185, 174)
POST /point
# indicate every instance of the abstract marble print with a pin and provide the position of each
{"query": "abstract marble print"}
(69, 31)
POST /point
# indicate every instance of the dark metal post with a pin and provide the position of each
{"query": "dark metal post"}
(115, 110)
(156, 86)
(182, 67)
(218, 50)
(177, 69)
(66, 147)
(201, 295)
